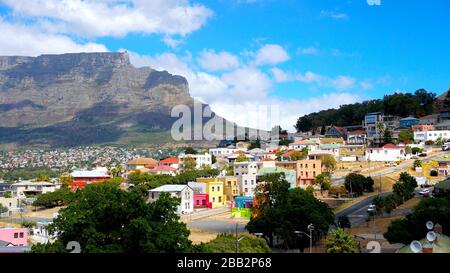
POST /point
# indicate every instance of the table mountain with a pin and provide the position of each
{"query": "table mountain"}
(86, 98)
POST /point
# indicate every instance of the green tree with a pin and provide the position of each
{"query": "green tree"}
(255, 144)
(190, 151)
(65, 181)
(226, 243)
(189, 163)
(388, 138)
(3, 209)
(296, 155)
(406, 136)
(323, 130)
(105, 219)
(282, 212)
(417, 164)
(378, 201)
(7, 194)
(412, 227)
(241, 158)
(329, 163)
(368, 184)
(355, 183)
(440, 141)
(416, 150)
(57, 198)
(324, 180)
(341, 242)
(390, 203)
(447, 100)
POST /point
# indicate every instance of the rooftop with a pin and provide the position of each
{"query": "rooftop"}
(142, 161)
(170, 160)
(169, 188)
(31, 183)
(101, 173)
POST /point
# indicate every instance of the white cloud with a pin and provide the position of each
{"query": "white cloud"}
(334, 15)
(279, 75)
(308, 51)
(271, 54)
(242, 95)
(365, 85)
(19, 39)
(343, 82)
(100, 18)
(172, 42)
(213, 61)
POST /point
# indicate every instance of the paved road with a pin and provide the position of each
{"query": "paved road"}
(341, 180)
(357, 213)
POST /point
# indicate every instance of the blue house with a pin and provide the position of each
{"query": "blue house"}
(409, 121)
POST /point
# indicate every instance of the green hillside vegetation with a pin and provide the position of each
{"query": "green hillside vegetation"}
(420, 103)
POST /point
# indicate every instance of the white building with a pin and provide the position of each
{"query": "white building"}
(184, 192)
(311, 145)
(388, 152)
(247, 184)
(201, 159)
(221, 152)
(20, 189)
(431, 135)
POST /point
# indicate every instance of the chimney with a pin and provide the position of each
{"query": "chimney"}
(427, 248)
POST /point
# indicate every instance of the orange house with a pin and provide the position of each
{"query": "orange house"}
(83, 178)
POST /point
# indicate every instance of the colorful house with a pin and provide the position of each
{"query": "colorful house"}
(14, 236)
(242, 207)
(215, 191)
(173, 162)
(82, 178)
(201, 200)
(307, 170)
(289, 174)
(140, 163)
(231, 188)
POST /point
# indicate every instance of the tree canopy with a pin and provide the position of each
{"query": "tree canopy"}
(418, 104)
(226, 243)
(105, 219)
(341, 242)
(281, 212)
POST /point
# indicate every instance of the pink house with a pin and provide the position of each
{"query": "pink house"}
(15, 236)
(201, 201)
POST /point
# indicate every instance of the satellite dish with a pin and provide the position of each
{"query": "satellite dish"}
(416, 246)
(430, 225)
(431, 236)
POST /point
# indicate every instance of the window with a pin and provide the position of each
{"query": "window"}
(16, 235)
(314, 166)
(306, 165)
(21, 235)
(153, 195)
(198, 202)
(214, 200)
(245, 182)
(314, 174)
(218, 188)
(246, 190)
(220, 199)
(212, 188)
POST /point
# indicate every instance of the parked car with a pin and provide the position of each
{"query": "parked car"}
(425, 192)
(414, 157)
(391, 164)
(423, 155)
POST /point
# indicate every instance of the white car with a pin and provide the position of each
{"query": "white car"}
(425, 192)
(414, 157)
(372, 208)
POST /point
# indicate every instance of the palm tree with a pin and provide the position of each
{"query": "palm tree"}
(341, 242)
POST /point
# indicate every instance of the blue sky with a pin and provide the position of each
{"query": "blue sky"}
(299, 55)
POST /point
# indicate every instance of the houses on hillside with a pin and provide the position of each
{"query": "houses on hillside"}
(388, 152)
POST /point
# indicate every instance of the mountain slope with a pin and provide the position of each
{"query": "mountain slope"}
(85, 98)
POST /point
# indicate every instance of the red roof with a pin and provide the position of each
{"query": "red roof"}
(391, 146)
(150, 166)
(358, 132)
(170, 160)
(289, 153)
(162, 169)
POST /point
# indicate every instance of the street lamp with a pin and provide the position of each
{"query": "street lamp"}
(237, 244)
(310, 228)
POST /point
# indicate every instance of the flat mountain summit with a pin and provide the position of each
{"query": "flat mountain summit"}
(86, 98)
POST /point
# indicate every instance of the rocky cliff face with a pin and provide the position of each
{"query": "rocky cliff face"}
(85, 98)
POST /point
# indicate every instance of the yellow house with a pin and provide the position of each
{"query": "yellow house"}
(352, 152)
(231, 188)
(215, 191)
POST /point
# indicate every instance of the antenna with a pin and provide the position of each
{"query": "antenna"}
(430, 225)
(431, 236)
(416, 246)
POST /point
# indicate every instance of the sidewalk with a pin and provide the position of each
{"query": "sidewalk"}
(204, 214)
